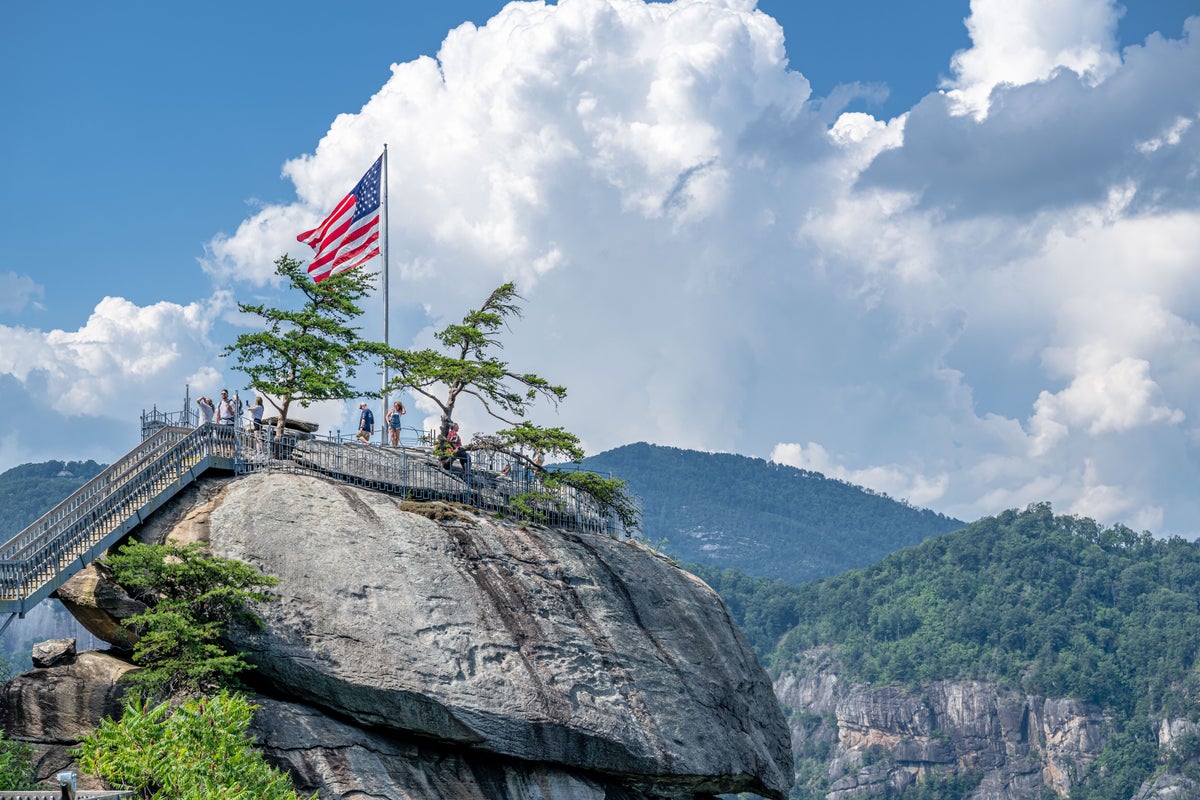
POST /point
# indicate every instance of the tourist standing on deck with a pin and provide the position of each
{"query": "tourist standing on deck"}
(225, 411)
(366, 424)
(393, 422)
(207, 410)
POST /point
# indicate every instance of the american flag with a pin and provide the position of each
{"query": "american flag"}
(349, 236)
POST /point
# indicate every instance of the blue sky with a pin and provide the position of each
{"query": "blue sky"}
(946, 250)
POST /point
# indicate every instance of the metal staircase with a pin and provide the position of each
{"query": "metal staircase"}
(74, 533)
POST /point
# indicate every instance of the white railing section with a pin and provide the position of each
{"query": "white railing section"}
(80, 528)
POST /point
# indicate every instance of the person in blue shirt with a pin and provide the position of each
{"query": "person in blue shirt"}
(393, 422)
(366, 424)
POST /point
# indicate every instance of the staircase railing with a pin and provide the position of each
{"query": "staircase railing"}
(72, 534)
(78, 530)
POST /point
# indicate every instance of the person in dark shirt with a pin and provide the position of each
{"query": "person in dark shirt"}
(457, 452)
(366, 424)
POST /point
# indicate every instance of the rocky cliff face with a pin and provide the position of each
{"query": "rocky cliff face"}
(872, 741)
(423, 651)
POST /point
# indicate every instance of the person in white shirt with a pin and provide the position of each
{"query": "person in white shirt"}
(207, 410)
(225, 412)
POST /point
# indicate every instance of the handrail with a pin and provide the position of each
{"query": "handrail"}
(103, 510)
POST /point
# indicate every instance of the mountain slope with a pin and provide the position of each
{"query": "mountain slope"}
(30, 490)
(763, 518)
(27, 492)
(1038, 605)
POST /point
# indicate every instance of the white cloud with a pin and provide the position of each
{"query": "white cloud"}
(713, 261)
(117, 363)
(1104, 397)
(1017, 42)
(18, 291)
(892, 479)
(1170, 137)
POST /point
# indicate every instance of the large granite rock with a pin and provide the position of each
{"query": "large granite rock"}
(504, 645)
(343, 761)
(100, 606)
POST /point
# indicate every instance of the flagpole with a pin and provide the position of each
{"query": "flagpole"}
(383, 432)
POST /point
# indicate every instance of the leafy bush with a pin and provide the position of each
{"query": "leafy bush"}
(16, 765)
(192, 597)
(200, 751)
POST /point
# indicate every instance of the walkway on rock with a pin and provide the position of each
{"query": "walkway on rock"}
(78, 530)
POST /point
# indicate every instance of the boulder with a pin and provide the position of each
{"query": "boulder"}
(511, 642)
(292, 424)
(52, 708)
(337, 760)
(53, 652)
(100, 605)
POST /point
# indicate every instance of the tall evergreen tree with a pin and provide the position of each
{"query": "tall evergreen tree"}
(312, 352)
(468, 366)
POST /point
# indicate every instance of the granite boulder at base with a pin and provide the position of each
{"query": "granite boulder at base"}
(422, 650)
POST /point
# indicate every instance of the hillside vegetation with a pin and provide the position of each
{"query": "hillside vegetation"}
(1050, 605)
(30, 490)
(27, 492)
(766, 519)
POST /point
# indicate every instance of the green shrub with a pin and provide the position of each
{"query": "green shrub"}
(16, 765)
(192, 597)
(199, 751)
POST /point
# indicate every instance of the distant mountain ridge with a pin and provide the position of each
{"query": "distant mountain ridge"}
(766, 519)
(30, 490)
(27, 492)
(1026, 656)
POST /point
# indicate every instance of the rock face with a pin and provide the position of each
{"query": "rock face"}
(523, 643)
(422, 651)
(52, 708)
(1024, 747)
(100, 606)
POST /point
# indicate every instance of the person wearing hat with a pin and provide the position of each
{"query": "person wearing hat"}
(366, 424)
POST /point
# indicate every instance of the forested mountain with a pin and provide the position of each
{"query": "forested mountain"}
(30, 490)
(765, 519)
(27, 492)
(1045, 605)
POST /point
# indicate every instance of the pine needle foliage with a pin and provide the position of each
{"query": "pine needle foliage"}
(311, 352)
(469, 365)
(192, 597)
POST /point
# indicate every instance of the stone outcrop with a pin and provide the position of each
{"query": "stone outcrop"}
(1023, 746)
(421, 650)
(100, 606)
(519, 642)
(51, 708)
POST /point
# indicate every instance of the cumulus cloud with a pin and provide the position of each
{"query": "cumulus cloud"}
(18, 291)
(1018, 42)
(894, 480)
(122, 354)
(714, 260)
(1060, 143)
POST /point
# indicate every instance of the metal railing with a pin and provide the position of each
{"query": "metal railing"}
(415, 473)
(74, 533)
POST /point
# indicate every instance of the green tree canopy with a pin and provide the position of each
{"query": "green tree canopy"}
(467, 365)
(312, 352)
(192, 598)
